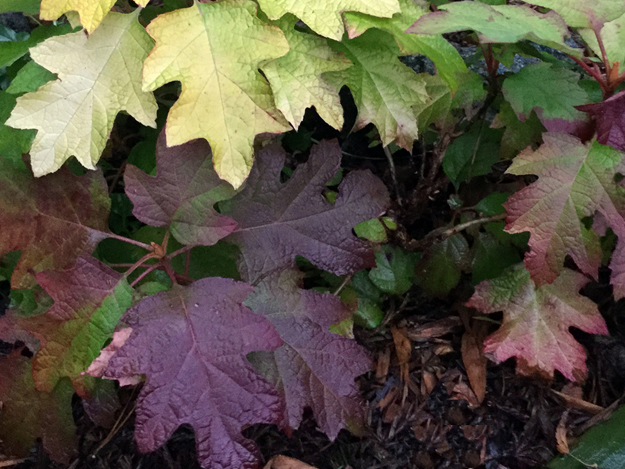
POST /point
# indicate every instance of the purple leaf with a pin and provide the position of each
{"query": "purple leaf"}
(277, 222)
(610, 118)
(182, 194)
(191, 343)
(314, 367)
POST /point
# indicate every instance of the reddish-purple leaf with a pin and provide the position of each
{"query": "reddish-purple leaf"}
(191, 343)
(536, 321)
(277, 222)
(182, 194)
(53, 220)
(574, 181)
(28, 414)
(89, 300)
(610, 118)
(314, 367)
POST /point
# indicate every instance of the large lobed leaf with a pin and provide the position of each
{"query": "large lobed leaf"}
(53, 220)
(277, 222)
(98, 76)
(224, 98)
(183, 193)
(446, 58)
(28, 414)
(585, 13)
(89, 300)
(574, 181)
(495, 23)
(384, 89)
(203, 378)
(314, 367)
(296, 78)
(536, 322)
(324, 16)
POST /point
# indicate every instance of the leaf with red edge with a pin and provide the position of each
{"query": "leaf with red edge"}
(183, 193)
(314, 367)
(53, 220)
(28, 414)
(191, 343)
(89, 300)
(277, 222)
(574, 181)
(610, 118)
(536, 321)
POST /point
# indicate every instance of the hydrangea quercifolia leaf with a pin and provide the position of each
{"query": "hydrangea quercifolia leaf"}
(91, 12)
(314, 367)
(182, 194)
(277, 222)
(585, 13)
(98, 76)
(574, 181)
(89, 300)
(224, 98)
(385, 90)
(536, 322)
(204, 378)
(28, 414)
(449, 64)
(324, 16)
(53, 220)
(610, 118)
(296, 78)
(496, 23)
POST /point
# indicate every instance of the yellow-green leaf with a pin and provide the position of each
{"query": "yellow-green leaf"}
(448, 61)
(215, 50)
(324, 16)
(91, 12)
(296, 78)
(99, 76)
(385, 90)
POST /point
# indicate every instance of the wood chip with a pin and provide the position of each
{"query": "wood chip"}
(475, 361)
(578, 403)
(284, 462)
(403, 349)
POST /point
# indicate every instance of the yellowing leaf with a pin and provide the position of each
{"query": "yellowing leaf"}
(384, 89)
(91, 12)
(324, 16)
(215, 50)
(99, 76)
(448, 61)
(296, 78)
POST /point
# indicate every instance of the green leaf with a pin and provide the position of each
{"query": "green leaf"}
(602, 446)
(373, 230)
(13, 142)
(448, 61)
(552, 92)
(585, 13)
(491, 257)
(384, 89)
(497, 23)
(11, 51)
(518, 134)
(613, 38)
(492, 204)
(30, 77)
(441, 267)
(394, 270)
(472, 154)
(28, 7)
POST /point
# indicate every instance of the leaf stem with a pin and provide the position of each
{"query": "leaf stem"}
(147, 247)
(148, 271)
(181, 251)
(140, 263)
(391, 165)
